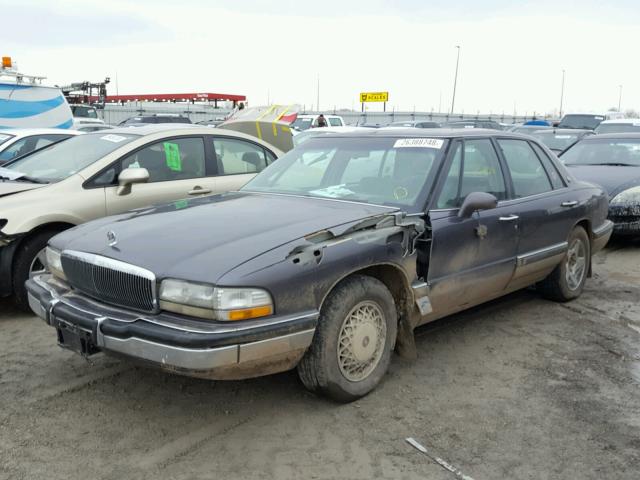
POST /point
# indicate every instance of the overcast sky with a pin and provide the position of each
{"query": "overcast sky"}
(511, 55)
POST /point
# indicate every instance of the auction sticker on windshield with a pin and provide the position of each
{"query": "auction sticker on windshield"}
(113, 138)
(419, 143)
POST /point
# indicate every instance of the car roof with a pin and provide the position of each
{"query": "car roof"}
(621, 120)
(25, 132)
(428, 133)
(147, 129)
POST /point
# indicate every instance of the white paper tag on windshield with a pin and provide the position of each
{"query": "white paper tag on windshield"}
(419, 143)
(113, 138)
(563, 136)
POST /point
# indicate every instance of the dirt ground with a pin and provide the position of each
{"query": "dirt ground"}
(521, 388)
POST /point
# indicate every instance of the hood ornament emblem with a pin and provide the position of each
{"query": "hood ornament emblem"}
(111, 238)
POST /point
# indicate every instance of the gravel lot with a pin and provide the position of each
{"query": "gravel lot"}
(520, 388)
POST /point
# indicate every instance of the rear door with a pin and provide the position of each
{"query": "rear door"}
(238, 161)
(472, 259)
(178, 168)
(544, 204)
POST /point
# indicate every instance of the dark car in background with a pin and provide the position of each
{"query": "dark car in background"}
(326, 260)
(588, 121)
(153, 119)
(473, 124)
(612, 161)
(415, 124)
(559, 139)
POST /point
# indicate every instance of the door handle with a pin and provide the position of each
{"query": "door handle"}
(572, 203)
(510, 218)
(199, 191)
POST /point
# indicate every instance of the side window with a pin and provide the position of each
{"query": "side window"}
(554, 175)
(239, 156)
(270, 157)
(475, 168)
(335, 122)
(18, 148)
(173, 159)
(449, 196)
(528, 175)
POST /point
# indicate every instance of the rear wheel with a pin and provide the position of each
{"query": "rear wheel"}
(29, 261)
(567, 281)
(352, 346)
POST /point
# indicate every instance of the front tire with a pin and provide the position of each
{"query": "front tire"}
(351, 348)
(567, 281)
(29, 261)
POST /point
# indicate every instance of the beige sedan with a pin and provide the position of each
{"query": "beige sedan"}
(104, 173)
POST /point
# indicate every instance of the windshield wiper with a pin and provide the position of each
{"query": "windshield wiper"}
(616, 164)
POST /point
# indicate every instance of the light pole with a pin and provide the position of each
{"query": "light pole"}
(455, 80)
(620, 97)
(562, 93)
(318, 98)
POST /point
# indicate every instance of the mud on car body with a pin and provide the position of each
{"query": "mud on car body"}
(327, 260)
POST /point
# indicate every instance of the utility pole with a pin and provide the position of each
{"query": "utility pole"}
(620, 97)
(455, 80)
(562, 93)
(318, 99)
(440, 103)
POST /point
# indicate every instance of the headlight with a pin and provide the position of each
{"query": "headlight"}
(629, 196)
(54, 262)
(207, 301)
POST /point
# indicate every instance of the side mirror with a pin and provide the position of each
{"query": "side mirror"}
(477, 201)
(128, 177)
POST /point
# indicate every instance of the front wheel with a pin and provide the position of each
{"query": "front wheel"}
(352, 345)
(29, 261)
(567, 281)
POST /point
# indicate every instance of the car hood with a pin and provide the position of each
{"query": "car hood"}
(202, 239)
(614, 179)
(8, 187)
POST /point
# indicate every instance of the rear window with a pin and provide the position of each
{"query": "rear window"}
(589, 122)
(618, 127)
(556, 141)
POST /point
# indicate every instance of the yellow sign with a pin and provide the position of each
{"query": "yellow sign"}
(374, 97)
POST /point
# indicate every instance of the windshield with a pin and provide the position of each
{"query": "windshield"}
(556, 141)
(61, 160)
(302, 123)
(618, 127)
(581, 121)
(4, 137)
(84, 112)
(382, 171)
(604, 152)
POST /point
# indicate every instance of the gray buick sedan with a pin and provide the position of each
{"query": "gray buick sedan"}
(328, 259)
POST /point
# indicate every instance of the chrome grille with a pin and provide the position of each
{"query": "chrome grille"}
(111, 281)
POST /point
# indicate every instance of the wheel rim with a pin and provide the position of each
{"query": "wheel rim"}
(576, 266)
(38, 264)
(361, 341)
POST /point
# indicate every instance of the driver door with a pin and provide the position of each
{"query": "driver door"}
(472, 259)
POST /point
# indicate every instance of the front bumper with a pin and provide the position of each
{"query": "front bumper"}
(626, 219)
(182, 345)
